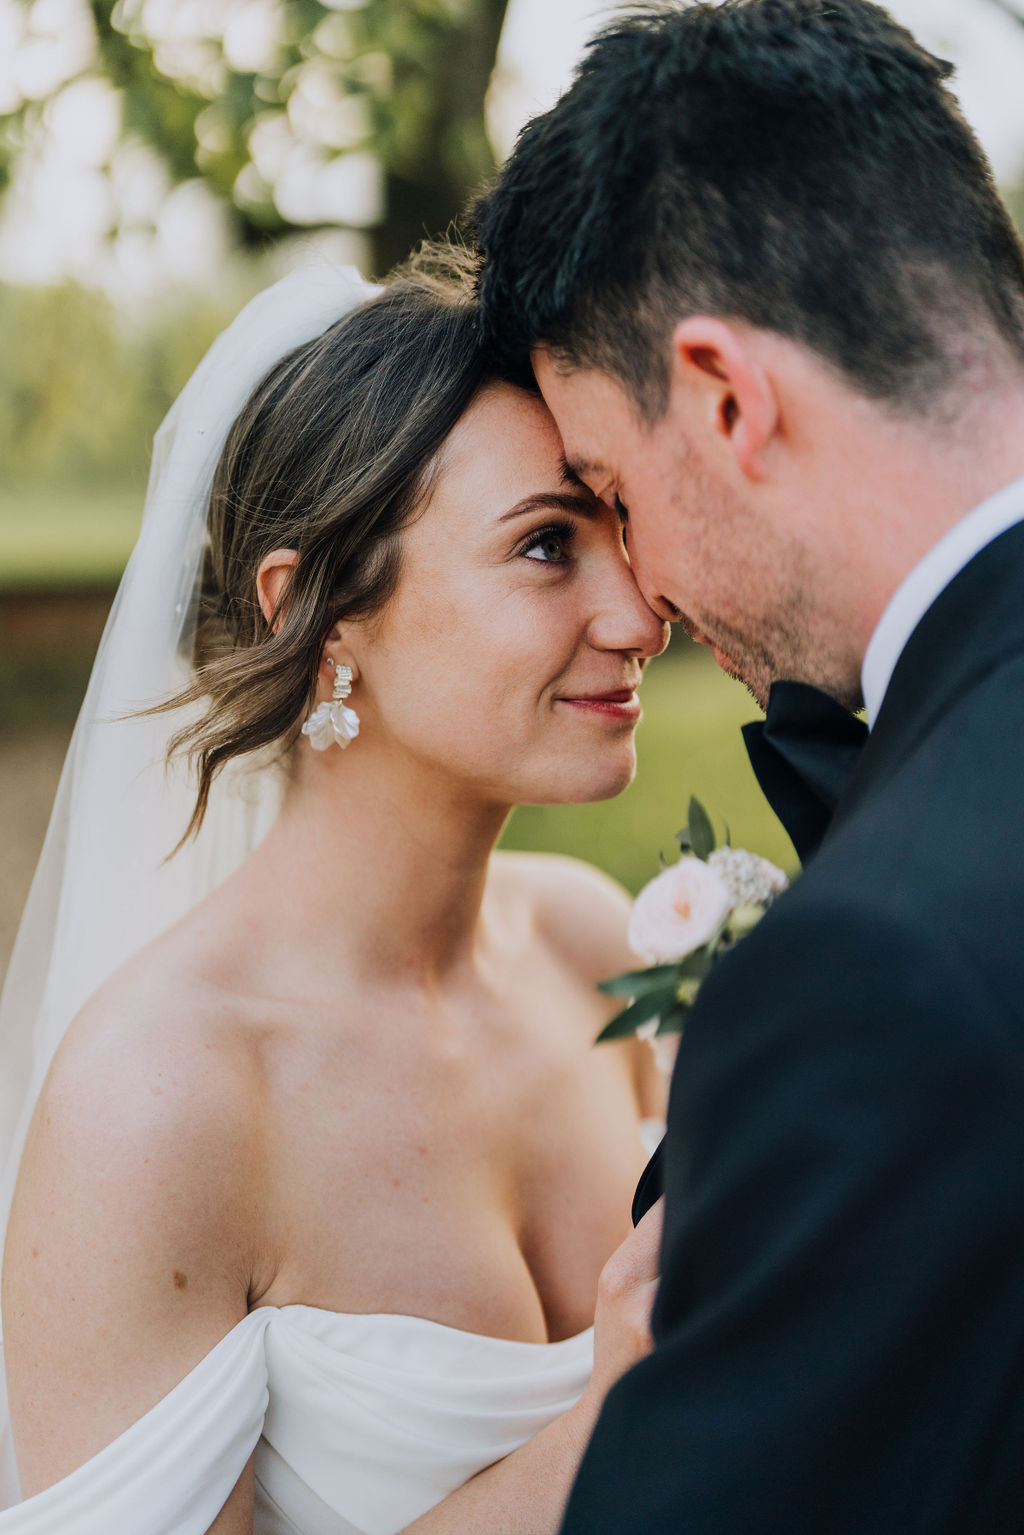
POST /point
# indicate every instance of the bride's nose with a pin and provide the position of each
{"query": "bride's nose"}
(621, 619)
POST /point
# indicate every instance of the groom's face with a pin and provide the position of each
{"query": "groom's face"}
(702, 552)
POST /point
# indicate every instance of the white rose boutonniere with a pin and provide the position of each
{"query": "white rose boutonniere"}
(683, 922)
(678, 912)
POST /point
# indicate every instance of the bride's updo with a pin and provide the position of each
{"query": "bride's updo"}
(333, 455)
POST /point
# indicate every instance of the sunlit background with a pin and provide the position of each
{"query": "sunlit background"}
(162, 159)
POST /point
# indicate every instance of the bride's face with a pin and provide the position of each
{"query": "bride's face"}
(511, 651)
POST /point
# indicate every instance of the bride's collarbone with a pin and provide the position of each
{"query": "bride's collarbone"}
(508, 1072)
(422, 1164)
(479, 1108)
(410, 1149)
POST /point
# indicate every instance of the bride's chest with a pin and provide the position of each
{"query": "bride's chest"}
(476, 1175)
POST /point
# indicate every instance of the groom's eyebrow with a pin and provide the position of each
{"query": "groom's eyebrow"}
(553, 501)
(576, 470)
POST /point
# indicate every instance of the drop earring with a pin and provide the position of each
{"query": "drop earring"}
(334, 722)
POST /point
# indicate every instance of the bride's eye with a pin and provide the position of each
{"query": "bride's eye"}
(550, 546)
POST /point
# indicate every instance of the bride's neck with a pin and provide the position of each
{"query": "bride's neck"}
(383, 860)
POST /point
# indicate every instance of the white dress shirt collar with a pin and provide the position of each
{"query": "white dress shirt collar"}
(930, 577)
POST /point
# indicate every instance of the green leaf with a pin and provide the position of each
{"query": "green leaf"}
(637, 983)
(628, 1021)
(685, 841)
(672, 1022)
(695, 966)
(702, 833)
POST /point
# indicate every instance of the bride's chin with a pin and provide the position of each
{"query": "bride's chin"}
(588, 782)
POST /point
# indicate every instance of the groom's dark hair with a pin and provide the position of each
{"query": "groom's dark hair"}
(798, 164)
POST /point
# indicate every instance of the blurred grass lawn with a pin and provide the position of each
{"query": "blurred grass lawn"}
(52, 538)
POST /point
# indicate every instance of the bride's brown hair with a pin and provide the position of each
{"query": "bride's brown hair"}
(334, 453)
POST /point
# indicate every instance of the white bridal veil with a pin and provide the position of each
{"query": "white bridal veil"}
(103, 888)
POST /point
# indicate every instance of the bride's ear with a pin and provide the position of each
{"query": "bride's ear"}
(272, 580)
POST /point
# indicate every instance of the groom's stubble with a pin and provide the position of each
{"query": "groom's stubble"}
(756, 595)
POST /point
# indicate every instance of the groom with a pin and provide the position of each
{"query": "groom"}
(757, 262)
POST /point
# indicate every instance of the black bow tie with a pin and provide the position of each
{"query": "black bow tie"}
(803, 756)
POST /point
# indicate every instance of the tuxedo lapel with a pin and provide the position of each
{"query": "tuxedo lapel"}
(969, 630)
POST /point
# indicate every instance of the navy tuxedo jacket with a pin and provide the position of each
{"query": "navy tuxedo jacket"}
(839, 1329)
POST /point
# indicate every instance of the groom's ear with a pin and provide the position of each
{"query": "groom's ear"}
(718, 364)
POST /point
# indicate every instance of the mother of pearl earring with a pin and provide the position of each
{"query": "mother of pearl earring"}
(333, 722)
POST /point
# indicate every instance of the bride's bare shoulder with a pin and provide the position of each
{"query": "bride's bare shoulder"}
(160, 1063)
(135, 1238)
(582, 911)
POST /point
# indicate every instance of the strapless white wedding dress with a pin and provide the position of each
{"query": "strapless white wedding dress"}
(359, 1423)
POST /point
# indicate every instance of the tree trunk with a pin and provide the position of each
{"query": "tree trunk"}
(425, 197)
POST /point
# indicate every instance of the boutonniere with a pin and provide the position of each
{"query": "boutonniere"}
(691, 914)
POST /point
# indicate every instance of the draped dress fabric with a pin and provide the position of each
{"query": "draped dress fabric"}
(360, 1424)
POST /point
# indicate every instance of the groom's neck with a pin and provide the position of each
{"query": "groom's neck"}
(901, 484)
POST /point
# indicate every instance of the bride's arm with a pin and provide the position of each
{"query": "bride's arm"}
(125, 1260)
(526, 1493)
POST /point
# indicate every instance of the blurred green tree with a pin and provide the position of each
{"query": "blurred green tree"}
(298, 113)
(82, 391)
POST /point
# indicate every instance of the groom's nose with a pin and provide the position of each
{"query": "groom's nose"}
(670, 614)
(666, 610)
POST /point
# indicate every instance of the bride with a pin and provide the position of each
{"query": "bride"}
(319, 1168)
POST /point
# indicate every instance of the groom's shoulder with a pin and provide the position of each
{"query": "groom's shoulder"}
(906, 912)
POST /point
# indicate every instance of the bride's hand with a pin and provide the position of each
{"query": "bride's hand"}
(625, 1295)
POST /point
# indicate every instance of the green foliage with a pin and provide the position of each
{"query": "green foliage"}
(402, 79)
(653, 1004)
(665, 992)
(154, 108)
(637, 983)
(673, 1021)
(82, 391)
(698, 836)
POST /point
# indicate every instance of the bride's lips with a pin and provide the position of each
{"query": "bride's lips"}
(618, 703)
